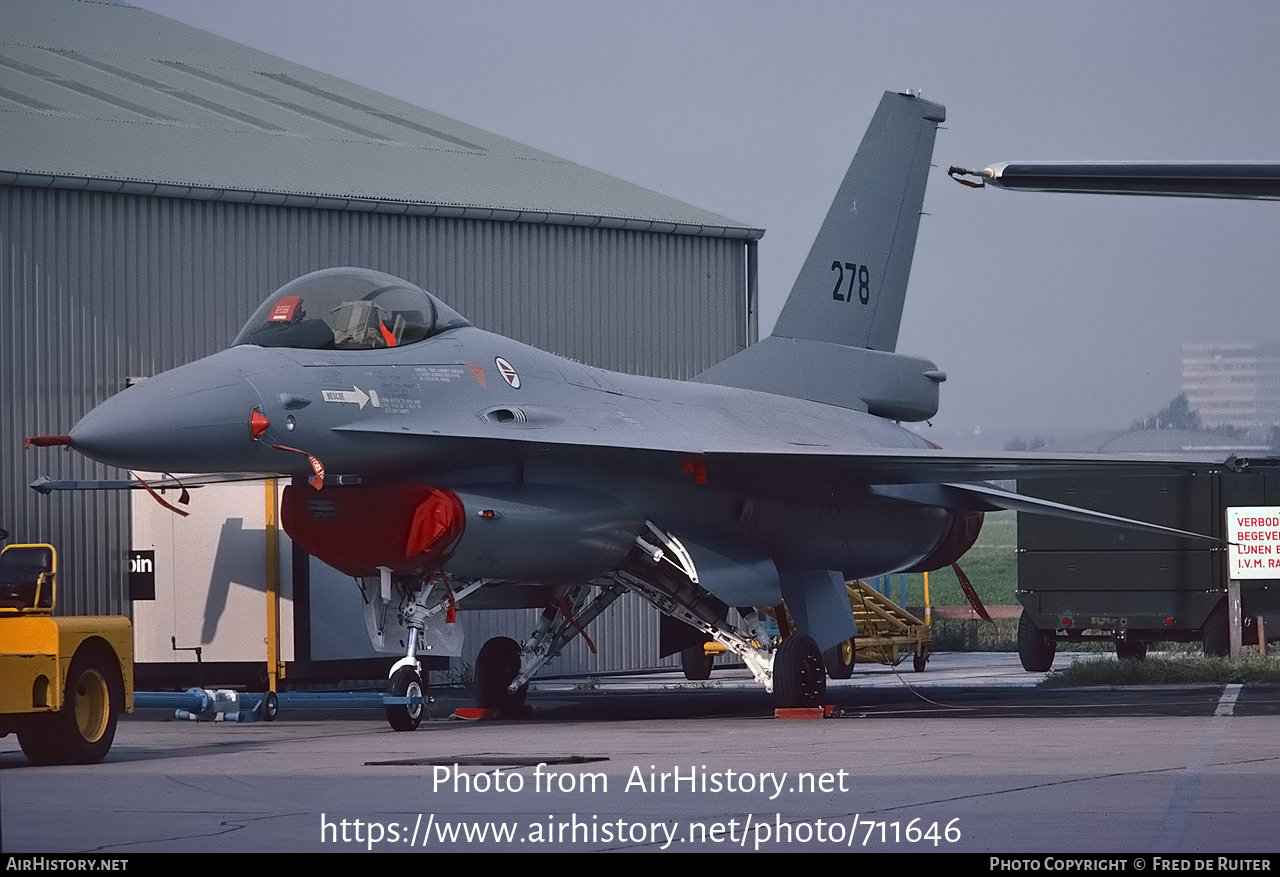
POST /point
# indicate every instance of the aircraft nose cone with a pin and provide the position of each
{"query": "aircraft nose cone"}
(192, 419)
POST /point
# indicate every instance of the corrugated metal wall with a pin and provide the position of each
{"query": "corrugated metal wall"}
(99, 286)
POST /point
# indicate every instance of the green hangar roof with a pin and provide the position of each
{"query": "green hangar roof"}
(114, 98)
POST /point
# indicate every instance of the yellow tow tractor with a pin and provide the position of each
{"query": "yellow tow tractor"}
(63, 681)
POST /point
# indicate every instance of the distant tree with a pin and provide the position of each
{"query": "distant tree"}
(1021, 444)
(1178, 414)
(1235, 432)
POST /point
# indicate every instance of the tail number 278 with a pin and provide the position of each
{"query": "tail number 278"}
(851, 276)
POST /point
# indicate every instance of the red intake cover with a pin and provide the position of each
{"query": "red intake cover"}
(960, 537)
(406, 527)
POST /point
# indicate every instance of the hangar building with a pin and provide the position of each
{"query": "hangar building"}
(157, 182)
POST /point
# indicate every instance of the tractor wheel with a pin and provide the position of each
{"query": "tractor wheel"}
(83, 730)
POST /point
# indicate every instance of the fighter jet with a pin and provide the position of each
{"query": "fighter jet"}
(445, 466)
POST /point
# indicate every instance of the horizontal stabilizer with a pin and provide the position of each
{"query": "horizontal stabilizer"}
(889, 385)
(989, 498)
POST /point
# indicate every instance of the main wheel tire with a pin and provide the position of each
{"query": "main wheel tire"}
(1216, 633)
(405, 682)
(799, 679)
(83, 730)
(1036, 647)
(496, 665)
(696, 663)
(840, 660)
(920, 660)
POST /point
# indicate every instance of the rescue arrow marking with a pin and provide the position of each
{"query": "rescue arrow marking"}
(355, 396)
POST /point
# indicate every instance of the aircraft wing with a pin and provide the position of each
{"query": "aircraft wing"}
(822, 474)
(940, 467)
(1244, 180)
(814, 473)
(937, 479)
(808, 470)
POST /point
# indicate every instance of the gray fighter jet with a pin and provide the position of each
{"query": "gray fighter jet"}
(444, 465)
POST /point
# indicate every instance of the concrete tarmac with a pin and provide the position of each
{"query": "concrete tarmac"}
(972, 757)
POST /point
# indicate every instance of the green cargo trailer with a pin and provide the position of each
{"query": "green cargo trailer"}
(1079, 581)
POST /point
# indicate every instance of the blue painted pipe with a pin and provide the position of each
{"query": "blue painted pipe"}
(202, 703)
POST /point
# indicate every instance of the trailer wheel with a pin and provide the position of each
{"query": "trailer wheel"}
(1036, 647)
(840, 660)
(83, 730)
(1216, 633)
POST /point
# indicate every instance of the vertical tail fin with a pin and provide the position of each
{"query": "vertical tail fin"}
(851, 290)
(854, 282)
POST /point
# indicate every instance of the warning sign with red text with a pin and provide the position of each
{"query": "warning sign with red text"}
(1254, 534)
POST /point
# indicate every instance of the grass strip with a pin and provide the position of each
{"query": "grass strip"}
(1250, 668)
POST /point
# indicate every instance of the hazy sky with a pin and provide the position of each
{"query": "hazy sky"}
(1044, 310)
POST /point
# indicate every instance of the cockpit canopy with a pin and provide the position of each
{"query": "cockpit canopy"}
(348, 309)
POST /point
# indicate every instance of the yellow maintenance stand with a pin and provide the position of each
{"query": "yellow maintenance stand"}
(886, 632)
(63, 681)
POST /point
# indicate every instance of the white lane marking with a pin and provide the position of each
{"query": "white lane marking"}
(1178, 811)
(1227, 703)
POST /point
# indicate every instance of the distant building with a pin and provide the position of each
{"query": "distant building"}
(1233, 384)
(1156, 440)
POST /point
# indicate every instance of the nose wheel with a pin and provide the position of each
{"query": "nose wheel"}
(406, 682)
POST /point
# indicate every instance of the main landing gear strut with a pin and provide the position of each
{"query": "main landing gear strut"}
(504, 667)
(663, 573)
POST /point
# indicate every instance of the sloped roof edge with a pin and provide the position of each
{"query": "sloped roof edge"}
(370, 205)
